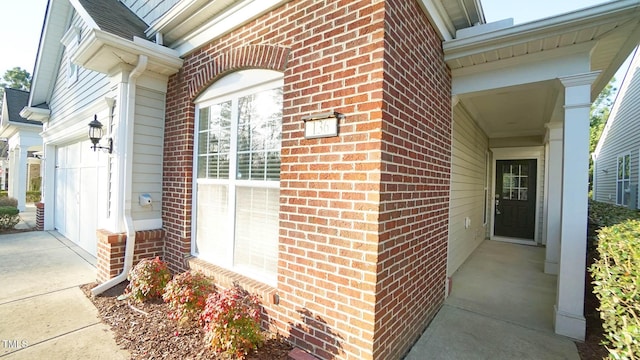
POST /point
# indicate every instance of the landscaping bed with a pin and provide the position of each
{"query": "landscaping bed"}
(145, 330)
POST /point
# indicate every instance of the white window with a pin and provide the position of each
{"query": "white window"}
(237, 173)
(623, 180)
(70, 40)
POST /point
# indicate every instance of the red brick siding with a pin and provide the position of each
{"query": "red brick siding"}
(414, 199)
(111, 249)
(332, 54)
(39, 216)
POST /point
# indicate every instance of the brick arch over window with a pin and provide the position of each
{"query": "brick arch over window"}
(269, 57)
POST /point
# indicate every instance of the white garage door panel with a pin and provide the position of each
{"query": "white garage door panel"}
(81, 179)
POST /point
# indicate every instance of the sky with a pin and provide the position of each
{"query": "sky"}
(21, 23)
(20, 26)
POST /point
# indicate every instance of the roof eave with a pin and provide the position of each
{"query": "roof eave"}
(539, 29)
(35, 113)
(50, 48)
(101, 51)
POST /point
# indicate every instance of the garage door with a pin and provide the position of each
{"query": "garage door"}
(81, 193)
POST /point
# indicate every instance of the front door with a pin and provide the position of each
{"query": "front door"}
(515, 210)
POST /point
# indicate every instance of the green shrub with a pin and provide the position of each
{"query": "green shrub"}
(9, 217)
(8, 201)
(603, 214)
(148, 279)
(33, 196)
(232, 322)
(617, 285)
(186, 294)
(4, 193)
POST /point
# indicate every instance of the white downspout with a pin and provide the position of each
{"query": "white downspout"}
(126, 169)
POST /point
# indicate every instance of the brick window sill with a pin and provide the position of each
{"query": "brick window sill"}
(225, 279)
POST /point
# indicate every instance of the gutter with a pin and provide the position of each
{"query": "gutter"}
(126, 169)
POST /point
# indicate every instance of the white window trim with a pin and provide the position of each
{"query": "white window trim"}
(487, 173)
(70, 40)
(230, 87)
(618, 181)
(517, 153)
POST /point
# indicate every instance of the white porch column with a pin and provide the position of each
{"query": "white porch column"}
(48, 188)
(569, 308)
(554, 198)
(13, 152)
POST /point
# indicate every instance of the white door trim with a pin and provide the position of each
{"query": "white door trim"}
(516, 153)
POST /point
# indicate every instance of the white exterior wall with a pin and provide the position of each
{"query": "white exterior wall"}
(622, 137)
(68, 99)
(147, 158)
(468, 173)
(149, 10)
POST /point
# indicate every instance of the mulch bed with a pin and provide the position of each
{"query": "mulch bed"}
(147, 333)
(592, 348)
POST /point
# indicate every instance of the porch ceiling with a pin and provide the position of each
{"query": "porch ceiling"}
(515, 111)
(507, 79)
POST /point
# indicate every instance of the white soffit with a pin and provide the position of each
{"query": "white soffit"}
(101, 51)
(610, 31)
(449, 16)
(191, 24)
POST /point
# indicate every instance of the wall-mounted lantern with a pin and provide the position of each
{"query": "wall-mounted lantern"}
(95, 135)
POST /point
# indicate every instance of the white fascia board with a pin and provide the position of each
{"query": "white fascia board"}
(438, 18)
(36, 114)
(590, 17)
(88, 20)
(174, 15)
(49, 52)
(220, 25)
(101, 51)
(626, 82)
(547, 65)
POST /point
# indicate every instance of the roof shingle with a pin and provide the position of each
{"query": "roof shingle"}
(16, 100)
(114, 17)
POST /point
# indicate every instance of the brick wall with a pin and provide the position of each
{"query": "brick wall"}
(111, 248)
(40, 216)
(414, 199)
(337, 226)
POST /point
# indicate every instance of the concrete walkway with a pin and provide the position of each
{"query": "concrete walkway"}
(27, 217)
(500, 307)
(43, 313)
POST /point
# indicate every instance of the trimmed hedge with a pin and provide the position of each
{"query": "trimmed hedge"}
(33, 196)
(9, 201)
(603, 214)
(8, 217)
(616, 277)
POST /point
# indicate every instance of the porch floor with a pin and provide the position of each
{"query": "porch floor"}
(500, 307)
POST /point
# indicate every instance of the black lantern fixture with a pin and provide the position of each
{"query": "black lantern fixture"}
(95, 135)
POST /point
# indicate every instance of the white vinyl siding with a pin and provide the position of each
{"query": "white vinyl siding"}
(147, 152)
(622, 137)
(90, 86)
(149, 10)
(468, 181)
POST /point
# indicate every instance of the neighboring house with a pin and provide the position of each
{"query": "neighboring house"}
(23, 140)
(228, 155)
(616, 173)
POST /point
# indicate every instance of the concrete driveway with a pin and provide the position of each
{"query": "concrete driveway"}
(43, 313)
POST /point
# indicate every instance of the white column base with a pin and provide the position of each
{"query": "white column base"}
(570, 325)
(551, 268)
